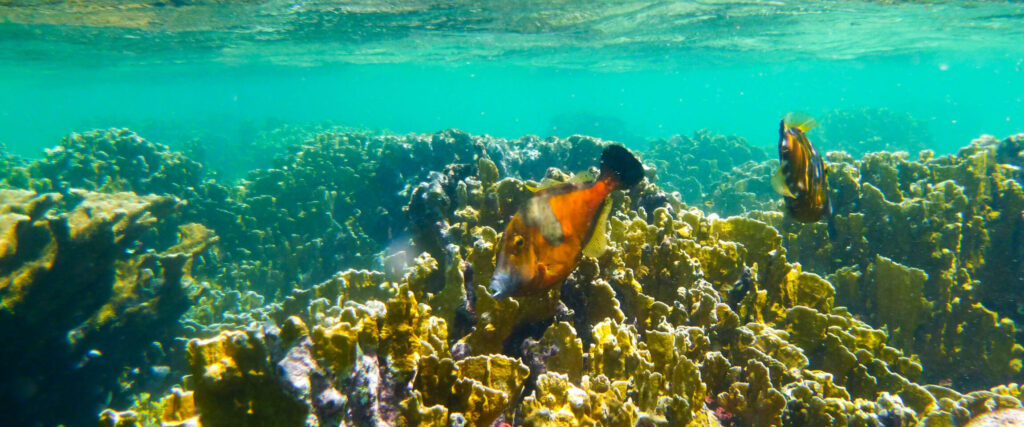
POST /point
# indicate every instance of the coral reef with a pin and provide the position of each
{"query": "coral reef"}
(79, 294)
(928, 249)
(701, 168)
(869, 130)
(332, 203)
(250, 144)
(652, 332)
(338, 200)
(114, 160)
(12, 170)
(900, 310)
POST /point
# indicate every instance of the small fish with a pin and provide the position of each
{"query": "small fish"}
(546, 238)
(709, 203)
(802, 178)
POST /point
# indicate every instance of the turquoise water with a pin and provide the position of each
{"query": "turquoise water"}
(634, 72)
(227, 84)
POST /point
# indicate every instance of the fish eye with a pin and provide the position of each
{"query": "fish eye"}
(518, 241)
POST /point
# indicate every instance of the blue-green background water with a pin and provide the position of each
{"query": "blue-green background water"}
(959, 99)
(652, 70)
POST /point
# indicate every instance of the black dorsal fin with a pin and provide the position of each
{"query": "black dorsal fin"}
(617, 160)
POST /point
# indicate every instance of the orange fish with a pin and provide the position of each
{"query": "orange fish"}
(546, 238)
(802, 178)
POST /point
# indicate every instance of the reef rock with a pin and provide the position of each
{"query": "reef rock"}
(81, 304)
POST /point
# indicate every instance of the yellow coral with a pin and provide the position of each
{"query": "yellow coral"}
(568, 356)
(337, 344)
(496, 372)
(414, 413)
(556, 402)
(234, 382)
(179, 408)
(615, 352)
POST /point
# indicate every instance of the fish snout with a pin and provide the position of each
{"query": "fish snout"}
(502, 285)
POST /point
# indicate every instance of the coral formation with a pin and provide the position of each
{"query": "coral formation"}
(73, 296)
(927, 248)
(332, 203)
(869, 130)
(900, 311)
(114, 160)
(699, 167)
(12, 170)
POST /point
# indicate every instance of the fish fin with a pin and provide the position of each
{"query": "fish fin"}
(618, 161)
(538, 213)
(800, 120)
(585, 176)
(598, 242)
(544, 185)
(547, 183)
(779, 184)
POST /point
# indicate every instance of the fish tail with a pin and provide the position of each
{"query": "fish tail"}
(800, 120)
(618, 163)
